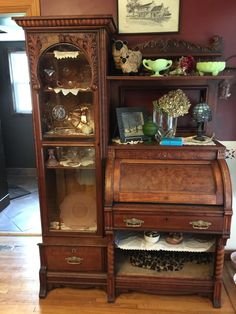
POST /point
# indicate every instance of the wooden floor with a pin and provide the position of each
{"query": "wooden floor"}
(19, 265)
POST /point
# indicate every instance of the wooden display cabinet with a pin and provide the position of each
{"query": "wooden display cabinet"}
(172, 190)
(68, 64)
(187, 190)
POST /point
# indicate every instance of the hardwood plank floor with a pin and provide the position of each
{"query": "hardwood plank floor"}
(19, 265)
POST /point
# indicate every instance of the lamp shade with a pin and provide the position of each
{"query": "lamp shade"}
(202, 112)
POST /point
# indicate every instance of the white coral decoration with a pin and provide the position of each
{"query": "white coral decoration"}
(175, 103)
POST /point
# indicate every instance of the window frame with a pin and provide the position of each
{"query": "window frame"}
(12, 84)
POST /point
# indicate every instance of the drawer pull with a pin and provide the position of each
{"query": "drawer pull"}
(74, 260)
(200, 224)
(133, 222)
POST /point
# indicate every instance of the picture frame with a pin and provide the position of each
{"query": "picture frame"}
(130, 122)
(142, 16)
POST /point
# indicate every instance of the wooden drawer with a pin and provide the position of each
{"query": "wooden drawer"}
(73, 258)
(183, 223)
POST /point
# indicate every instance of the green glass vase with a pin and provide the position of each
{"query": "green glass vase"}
(150, 130)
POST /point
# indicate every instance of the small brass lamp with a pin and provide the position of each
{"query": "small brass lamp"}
(201, 114)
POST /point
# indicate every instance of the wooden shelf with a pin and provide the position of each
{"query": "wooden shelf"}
(69, 143)
(71, 136)
(194, 78)
(190, 270)
(71, 167)
(136, 241)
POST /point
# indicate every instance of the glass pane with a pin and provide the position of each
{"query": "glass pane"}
(19, 73)
(71, 189)
(22, 98)
(66, 95)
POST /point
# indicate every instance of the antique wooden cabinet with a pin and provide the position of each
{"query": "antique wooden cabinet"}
(95, 194)
(68, 63)
(170, 190)
(182, 192)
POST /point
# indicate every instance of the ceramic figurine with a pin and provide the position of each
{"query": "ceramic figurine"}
(125, 59)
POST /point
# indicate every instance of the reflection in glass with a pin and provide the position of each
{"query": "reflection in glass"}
(71, 190)
(66, 94)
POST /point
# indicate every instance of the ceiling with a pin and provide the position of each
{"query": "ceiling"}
(9, 30)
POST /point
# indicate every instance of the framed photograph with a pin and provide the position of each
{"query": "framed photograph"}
(130, 123)
(143, 16)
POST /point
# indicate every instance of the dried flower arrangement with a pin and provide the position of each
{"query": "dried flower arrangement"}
(175, 103)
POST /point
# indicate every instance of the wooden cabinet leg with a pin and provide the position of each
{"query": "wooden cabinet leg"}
(111, 270)
(110, 289)
(219, 264)
(43, 282)
(217, 295)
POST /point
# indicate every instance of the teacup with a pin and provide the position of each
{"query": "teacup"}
(157, 65)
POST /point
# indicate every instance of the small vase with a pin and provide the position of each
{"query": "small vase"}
(150, 129)
(166, 125)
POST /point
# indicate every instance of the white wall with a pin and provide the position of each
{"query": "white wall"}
(231, 161)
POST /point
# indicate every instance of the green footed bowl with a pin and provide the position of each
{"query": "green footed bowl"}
(213, 67)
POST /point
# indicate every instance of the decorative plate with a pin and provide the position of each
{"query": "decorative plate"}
(59, 113)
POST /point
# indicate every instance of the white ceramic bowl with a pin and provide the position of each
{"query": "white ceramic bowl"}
(151, 236)
(233, 259)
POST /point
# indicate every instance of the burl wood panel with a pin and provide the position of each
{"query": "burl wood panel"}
(168, 182)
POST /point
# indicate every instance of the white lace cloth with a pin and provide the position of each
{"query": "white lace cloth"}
(186, 141)
(191, 141)
(66, 91)
(135, 241)
(65, 54)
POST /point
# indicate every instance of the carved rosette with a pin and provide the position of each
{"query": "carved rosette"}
(34, 48)
(86, 42)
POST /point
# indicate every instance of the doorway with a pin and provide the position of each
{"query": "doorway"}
(21, 216)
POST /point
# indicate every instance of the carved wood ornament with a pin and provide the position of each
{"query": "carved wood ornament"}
(34, 48)
(175, 47)
(86, 41)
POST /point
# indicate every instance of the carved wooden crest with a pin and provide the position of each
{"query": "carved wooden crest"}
(175, 47)
(86, 42)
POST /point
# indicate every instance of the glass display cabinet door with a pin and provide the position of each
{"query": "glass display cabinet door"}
(66, 97)
(70, 174)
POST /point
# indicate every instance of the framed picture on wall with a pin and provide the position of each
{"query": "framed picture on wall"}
(130, 123)
(143, 16)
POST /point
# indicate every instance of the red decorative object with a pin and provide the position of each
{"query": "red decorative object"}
(187, 64)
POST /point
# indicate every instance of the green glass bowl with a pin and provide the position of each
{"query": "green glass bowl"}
(213, 67)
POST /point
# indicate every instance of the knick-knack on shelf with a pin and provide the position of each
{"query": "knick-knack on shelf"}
(52, 161)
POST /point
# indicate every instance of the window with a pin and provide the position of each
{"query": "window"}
(19, 75)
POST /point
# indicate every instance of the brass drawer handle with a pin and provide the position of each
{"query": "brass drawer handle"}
(74, 260)
(200, 224)
(133, 222)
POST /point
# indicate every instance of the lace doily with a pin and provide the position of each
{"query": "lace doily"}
(65, 54)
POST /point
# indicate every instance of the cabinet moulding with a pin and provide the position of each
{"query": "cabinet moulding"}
(176, 47)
